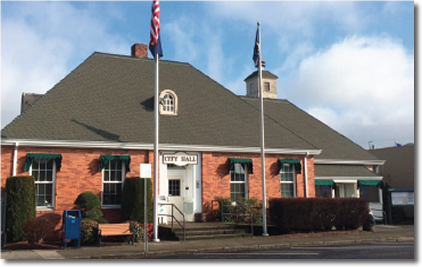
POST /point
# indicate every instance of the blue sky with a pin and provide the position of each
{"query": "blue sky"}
(349, 64)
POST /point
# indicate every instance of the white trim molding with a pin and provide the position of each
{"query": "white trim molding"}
(163, 147)
(348, 178)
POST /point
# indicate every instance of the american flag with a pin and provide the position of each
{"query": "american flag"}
(155, 23)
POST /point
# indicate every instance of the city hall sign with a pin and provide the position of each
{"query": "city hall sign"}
(180, 159)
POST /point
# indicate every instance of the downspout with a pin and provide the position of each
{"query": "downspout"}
(15, 159)
(305, 172)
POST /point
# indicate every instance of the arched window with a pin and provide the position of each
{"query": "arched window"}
(168, 103)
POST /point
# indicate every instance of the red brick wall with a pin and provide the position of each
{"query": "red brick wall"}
(216, 176)
(78, 173)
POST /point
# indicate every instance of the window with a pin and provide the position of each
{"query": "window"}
(238, 179)
(287, 180)
(369, 192)
(113, 178)
(267, 87)
(44, 172)
(174, 188)
(346, 190)
(168, 103)
(323, 191)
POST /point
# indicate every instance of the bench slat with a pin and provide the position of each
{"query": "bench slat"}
(114, 229)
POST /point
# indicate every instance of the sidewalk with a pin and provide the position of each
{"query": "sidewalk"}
(383, 233)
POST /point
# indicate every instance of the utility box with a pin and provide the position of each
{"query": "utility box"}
(71, 226)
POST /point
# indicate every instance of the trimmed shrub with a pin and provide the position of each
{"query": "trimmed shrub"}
(317, 214)
(94, 213)
(36, 229)
(246, 208)
(133, 200)
(137, 230)
(20, 206)
(90, 203)
(89, 231)
(101, 220)
(88, 200)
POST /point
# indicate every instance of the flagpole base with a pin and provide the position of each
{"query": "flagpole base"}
(265, 234)
(155, 240)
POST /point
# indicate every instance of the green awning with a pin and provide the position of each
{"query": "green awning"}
(248, 162)
(378, 183)
(31, 156)
(296, 162)
(325, 182)
(105, 158)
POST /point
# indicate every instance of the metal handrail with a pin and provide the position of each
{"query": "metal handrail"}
(236, 213)
(250, 215)
(174, 218)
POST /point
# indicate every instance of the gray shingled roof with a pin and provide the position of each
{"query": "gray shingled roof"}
(333, 144)
(342, 171)
(110, 98)
(265, 74)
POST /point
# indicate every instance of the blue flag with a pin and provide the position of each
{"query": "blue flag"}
(157, 49)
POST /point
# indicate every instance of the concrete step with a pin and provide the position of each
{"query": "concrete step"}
(197, 231)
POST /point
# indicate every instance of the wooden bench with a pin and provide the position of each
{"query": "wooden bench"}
(114, 229)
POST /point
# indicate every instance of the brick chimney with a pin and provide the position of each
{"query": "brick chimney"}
(140, 50)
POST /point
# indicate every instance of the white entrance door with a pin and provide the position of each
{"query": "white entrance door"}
(175, 193)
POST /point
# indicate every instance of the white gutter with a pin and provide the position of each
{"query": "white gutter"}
(348, 162)
(15, 159)
(163, 147)
(305, 170)
(348, 178)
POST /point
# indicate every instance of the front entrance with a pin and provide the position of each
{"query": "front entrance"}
(180, 184)
(177, 184)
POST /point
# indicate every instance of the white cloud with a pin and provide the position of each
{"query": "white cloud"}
(358, 84)
(299, 18)
(42, 42)
(200, 45)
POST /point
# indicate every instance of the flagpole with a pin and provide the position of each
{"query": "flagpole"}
(261, 100)
(156, 160)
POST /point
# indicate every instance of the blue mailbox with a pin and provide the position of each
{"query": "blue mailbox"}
(71, 226)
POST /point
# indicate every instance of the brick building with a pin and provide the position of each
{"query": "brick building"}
(96, 126)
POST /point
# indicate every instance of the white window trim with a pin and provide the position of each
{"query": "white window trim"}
(176, 101)
(290, 182)
(242, 182)
(112, 182)
(53, 191)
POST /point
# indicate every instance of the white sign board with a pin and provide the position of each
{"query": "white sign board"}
(402, 198)
(145, 170)
(180, 159)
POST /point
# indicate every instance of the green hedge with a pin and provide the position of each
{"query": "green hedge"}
(317, 214)
(20, 206)
(133, 200)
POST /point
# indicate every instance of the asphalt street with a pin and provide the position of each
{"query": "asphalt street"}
(396, 250)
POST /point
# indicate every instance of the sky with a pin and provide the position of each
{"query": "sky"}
(349, 64)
